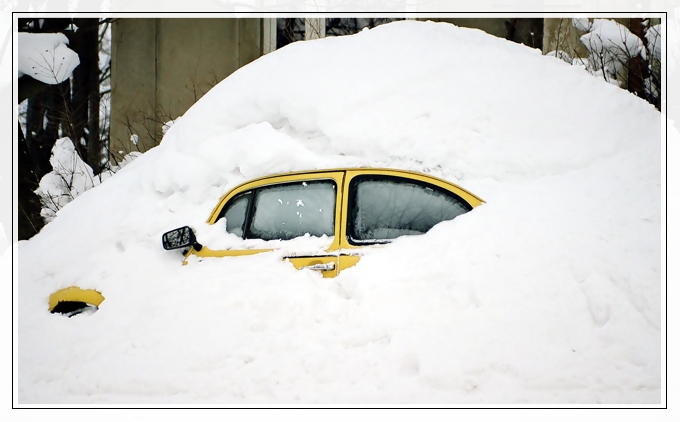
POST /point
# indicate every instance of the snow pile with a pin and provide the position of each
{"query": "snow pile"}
(548, 293)
(46, 57)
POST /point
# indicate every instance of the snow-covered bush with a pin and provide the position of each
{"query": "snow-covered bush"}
(616, 55)
(610, 46)
(70, 177)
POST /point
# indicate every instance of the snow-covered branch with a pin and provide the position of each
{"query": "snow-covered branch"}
(46, 57)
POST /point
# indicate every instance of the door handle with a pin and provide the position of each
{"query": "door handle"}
(320, 267)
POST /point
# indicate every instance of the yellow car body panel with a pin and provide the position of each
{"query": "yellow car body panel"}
(347, 260)
(206, 252)
(299, 262)
(75, 294)
(327, 265)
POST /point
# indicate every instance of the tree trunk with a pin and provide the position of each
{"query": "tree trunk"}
(85, 92)
(28, 204)
(46, 118)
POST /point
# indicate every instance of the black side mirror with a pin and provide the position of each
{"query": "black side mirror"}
(180, 238)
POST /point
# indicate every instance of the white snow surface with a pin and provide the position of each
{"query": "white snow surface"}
(46, 57)
(549, 293)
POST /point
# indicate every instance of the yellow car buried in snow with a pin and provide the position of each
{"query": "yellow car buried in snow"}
(352, 208)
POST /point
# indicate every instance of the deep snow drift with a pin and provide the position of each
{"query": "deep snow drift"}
(548, 293)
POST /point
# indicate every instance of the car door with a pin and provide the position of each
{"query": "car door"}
(285, 208)
(381, 205)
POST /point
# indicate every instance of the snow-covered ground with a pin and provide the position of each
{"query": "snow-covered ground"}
(550, 293)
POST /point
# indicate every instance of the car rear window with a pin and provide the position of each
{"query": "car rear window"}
(383, 208)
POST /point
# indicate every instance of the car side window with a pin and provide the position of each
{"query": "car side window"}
(290, 210)
(382, 208)
(236, 212)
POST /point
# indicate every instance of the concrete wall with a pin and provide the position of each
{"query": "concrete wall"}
(161, 67)
(133, 82)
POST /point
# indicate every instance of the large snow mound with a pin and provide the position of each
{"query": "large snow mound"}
(548, 293)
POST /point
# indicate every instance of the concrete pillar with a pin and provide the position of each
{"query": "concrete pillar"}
(315, 28)
(268, 35)
(133, 85)
(560, 35)
(161, 67)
